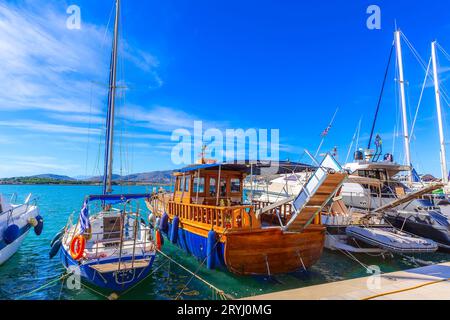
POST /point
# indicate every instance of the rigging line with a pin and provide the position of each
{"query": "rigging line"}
(414, 51)
(380, 98)
(443, 51)
(359, 135)
(326, 132)
(420, 98)
(89, 131)
(355, 137)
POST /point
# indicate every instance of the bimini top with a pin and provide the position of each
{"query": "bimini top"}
(117, 198)
(255, 167)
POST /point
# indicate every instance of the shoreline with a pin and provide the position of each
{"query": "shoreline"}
(86, 184)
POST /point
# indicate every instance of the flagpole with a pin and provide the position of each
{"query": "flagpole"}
(325, 133)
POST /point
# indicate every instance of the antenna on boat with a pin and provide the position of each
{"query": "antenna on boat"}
(109, 138)
(439, 113)
(403, 101)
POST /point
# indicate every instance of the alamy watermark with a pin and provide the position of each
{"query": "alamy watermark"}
(73, 281)
(73, 22)
(374, 281)
(228, 145)
(374, 20)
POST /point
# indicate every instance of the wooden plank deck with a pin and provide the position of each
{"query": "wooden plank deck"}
(427, 283)
(111, 267)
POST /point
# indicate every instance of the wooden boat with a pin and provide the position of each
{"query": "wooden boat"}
(207, 216)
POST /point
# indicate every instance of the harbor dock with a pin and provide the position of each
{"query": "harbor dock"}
(426, 283)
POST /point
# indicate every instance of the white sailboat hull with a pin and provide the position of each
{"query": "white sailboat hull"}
(7, 252)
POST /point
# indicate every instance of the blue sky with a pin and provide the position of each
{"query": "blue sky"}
(283, 65)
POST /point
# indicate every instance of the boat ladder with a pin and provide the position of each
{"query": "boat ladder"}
(315, 195)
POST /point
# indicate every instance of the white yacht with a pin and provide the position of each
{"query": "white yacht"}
(16, 221)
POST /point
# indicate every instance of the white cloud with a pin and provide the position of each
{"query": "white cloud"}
(46, 66)
(25, 165)
(48, 127)
(78, 118)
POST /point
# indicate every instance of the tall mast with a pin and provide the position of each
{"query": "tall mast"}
(109, 139)
(398, 46)
(439, 114)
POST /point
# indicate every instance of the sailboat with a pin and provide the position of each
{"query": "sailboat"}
(114, 248)
(398, 204)
(16, 221)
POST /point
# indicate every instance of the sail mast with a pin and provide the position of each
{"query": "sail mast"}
(403, 102)
(439, 113)
(109, 140)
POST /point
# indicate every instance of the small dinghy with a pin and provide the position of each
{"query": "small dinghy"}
(392, 240)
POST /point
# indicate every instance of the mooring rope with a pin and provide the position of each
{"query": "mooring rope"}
(406, 289)
(220, 292)
(61, 278)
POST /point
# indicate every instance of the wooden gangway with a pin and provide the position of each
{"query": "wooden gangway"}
(409, 197)
(315, 195)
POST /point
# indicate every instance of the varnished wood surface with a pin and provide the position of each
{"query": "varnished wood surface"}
(273, 251)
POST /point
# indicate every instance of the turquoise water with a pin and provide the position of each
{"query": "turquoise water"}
(31, 268)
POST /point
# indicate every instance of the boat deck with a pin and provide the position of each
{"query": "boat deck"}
(111, 267)
(427, 283)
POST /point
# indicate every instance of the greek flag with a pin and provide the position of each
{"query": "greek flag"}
(84, 218)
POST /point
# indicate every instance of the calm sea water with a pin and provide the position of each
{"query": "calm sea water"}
(31, 268)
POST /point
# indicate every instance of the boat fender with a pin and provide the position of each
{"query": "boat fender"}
(152, 220)
(57, 237)
(158, 239)
(210, 246)
(77, 247)
(55, 248)
(40, 226)
(164, 225)
(174, 230)
(11, 233)
(157, 223)
(33, 222)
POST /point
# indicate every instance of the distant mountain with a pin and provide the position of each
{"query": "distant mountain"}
(53, 177)
(156, 177)
(116, 177)
(81, 177)
(152, 177)
(146, 177)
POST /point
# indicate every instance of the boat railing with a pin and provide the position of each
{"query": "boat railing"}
(142, 238)
(284, 211)
(232, 217)
(29, 203)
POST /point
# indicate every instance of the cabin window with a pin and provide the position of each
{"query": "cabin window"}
(181, 184)
(223, 187)
(199, 185)
(187, 183)
(212, 187)
(235, 185)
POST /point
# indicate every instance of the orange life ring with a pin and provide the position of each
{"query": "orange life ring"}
(77, 247)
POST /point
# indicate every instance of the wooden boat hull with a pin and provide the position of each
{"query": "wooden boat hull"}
(264, 251)
(272, 251)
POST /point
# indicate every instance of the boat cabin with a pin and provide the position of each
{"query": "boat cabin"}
(211, 185)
